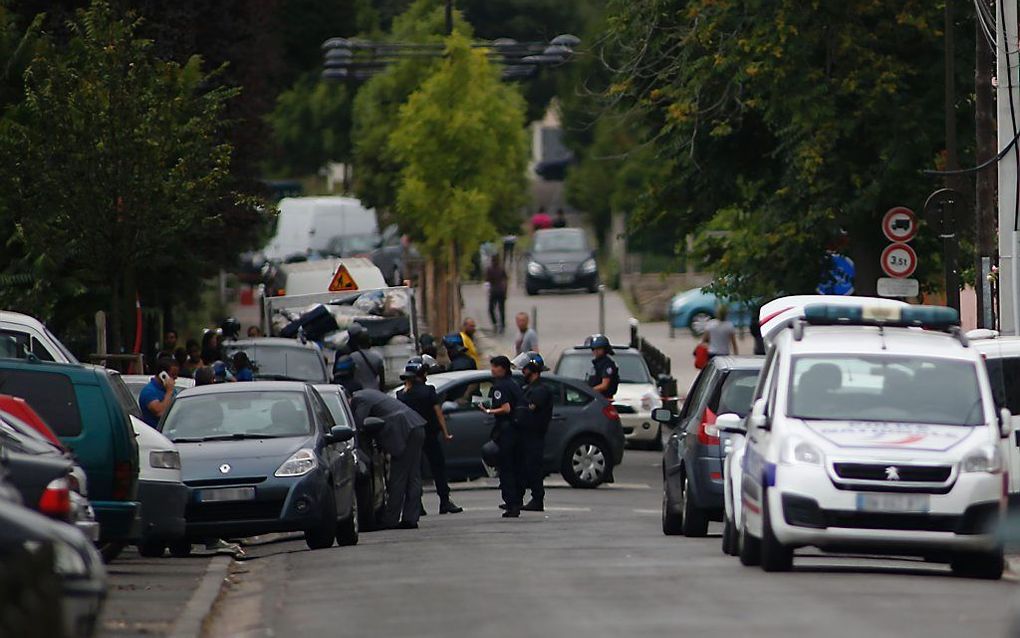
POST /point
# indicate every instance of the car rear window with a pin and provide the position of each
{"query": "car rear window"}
(280, 362)
(50, 394)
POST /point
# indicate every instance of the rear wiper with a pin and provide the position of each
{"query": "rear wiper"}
(238, 436)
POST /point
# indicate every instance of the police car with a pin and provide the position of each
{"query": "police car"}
(868, 433)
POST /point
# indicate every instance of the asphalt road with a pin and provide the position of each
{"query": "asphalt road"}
(594, 564)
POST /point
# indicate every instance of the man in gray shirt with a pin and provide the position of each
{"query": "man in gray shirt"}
(527, 340)
(369, 366)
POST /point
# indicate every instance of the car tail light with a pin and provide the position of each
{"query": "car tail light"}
(708, 433)
(122, 476)
(610, 413)
(56, 499)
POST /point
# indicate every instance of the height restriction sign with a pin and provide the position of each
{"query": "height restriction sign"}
(899, 260)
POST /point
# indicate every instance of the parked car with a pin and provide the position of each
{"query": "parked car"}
(635, 398)
(373, 461)
(32, 337)
(693, 309)
(136, 382)
(692, 480)
(584, 443)
(80, 404)
(264, 457)
(275, 358)
(561, 258)
(1002, 359)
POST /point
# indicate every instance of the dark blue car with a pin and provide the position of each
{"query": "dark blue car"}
(692, 463)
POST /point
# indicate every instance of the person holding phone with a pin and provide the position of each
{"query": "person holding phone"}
(156, 396)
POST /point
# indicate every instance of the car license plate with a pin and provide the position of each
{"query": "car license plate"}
(227, 494)
(893, 503)
(562, 279)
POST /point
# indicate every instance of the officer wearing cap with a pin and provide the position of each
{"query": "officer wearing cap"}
(343, 373)
(534, 415)
(504, 397)
(606, 378)
(422, 398)
(456, 350)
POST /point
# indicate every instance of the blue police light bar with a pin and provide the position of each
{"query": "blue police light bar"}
(934, 317)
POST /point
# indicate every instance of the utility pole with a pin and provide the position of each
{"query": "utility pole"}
(1008, 105)
(952, 161)
(984, 181)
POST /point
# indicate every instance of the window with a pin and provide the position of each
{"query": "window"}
(574, 396)
(18, 348)
(336, 408)
(51, 395)
(461, 396)
(560, 241)
(1004, 375)
(556, 389)
(279, 362)
(125, 398)
(631, 364)
(254, 414)
(735, 393)
(695, 402)
(322, 412)
(701, 379)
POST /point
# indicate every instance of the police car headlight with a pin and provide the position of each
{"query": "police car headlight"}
(589, 266)
(300, 463)
(535, 268)
(801, 453)
(986, 459)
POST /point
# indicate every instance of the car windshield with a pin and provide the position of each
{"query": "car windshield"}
(226, 415)
(885, 388)
(335, 405)
(282, 363)
(560, 242)
(632, 367)
(354, 244)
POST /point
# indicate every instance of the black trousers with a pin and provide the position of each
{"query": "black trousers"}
(531, 461)
(510, 466)
(432, 452)
(497, 310)
(403, 500)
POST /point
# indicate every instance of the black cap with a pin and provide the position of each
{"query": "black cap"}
(501, 362)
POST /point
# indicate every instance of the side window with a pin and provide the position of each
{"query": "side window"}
(701, 379)
(695, 402)
(1004, 375)
(41, 351)
(763, 377)
(459, 397)
(573, 396)
(20, 340)
(322, 413)
(51, 395)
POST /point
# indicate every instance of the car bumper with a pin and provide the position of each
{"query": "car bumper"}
(118, 520)
(811, 511)
(163, 505)
(638, 426)
(567, 282)
(280, 505)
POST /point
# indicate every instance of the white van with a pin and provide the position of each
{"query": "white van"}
(30, 335)
(1002, 358)
(309, 224)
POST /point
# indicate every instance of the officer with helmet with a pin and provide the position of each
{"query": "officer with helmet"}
(533, 416)
(456, 350)
(422, 398)
(504, 397)
(606, 378)
(343, 373)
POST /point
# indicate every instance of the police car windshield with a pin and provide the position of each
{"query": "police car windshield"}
(578, 366)
(256, 414)
(885, 388)
(282, 362)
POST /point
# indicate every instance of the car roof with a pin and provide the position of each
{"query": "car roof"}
(6, 316)
(446, 378)
(59, 365)
(875, 340)
(994, 347)
(272, 342)
(586, 350)
(738, 362)
(244, 386)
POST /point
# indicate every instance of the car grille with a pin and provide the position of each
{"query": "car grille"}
(558, 268)
(220, 482)
(907, 473)
(240, 511)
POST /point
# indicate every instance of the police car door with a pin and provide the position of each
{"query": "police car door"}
(1004, 376)
(755, 470)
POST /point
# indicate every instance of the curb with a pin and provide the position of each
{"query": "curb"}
(189, 623)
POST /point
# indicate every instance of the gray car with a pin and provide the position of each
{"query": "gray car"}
(692, 462)
(584, 442)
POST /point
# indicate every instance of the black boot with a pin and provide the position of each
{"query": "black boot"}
(512, 511)
(449, 507)
(534, 506)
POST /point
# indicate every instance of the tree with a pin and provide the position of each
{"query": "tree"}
(118, 165)
(463, 147)
(311, 125)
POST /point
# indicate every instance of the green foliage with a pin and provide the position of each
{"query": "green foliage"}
(462, 144)
(311, 125)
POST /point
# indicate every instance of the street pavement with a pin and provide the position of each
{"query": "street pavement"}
(594, 564)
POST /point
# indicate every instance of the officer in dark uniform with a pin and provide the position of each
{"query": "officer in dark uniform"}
(422, 398)
(534, 415)
(343, 373)
(505, 395)
(457, 351)
(606, 378)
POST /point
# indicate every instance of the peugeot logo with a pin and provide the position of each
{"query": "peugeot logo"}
(224, 469)
(891, 473)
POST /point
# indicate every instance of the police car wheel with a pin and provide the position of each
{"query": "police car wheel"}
(729, 537)
(585, 463)
(323, 534)
(151, 548)
(775, 557)
(750, 549)
(695, 518)
(347, 530)
(986, 566)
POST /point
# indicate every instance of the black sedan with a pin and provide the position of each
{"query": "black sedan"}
(584, 443)
(261, 457)
(561, 258)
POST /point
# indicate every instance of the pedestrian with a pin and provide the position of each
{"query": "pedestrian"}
(427, 345)
(561, 219)
(156, 396)
(254, 332)
(541, 220)
(422, 398)
(242, 367)
(204, 376)
(401, 434)
(210, 351)
(504, 396)
(457, 353)
(533, 415)
(496, 277)
(467, 334)
(509, 244)
(369, 365)
(606, 377)
(720, 334)
(169, 345)
(343, 373)
(527, 338)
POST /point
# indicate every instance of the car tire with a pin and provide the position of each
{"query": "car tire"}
(697, 322)
(729, 537)
(151, 548)
(695, 523)
(324, 533)
(180, 548)
(586, 463)
(593, 289)
(347, 530)
(530, 290)
(366, 505)
(111, 550)
(749, 550)
(775, 557)
(672, 523)
(984, 566)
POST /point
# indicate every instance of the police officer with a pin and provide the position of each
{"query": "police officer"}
(369, 365)
(456, 350)
(606, 378)
(504, 397)
(422, 398)
(343, 373)
(534, 415)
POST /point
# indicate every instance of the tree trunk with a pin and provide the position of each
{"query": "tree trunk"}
(985, 213)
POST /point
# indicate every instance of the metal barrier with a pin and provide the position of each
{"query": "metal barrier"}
(658, 364)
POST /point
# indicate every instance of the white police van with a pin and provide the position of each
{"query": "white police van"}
(870, 434)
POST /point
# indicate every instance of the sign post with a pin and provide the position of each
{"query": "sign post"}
(899, 261)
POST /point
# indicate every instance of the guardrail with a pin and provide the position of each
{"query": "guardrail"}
(659, 364)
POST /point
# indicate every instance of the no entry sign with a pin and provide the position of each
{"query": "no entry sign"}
(899, 224)
(899, 260)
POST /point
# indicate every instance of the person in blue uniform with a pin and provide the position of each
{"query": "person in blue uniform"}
(504, 397)
(606, 378)
(534, 414)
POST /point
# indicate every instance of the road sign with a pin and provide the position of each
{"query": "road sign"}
(840, 278)
(342, 280)
(899, 224)
(899, 260)
(892, 287)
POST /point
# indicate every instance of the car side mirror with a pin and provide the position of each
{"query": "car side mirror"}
(1005, 422)
(372, 425)
(730, 423)
(340, 434)
(758, 419)
(662, 415)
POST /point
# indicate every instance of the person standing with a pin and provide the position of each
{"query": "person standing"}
(242, 367)
(509, 244)
(343, 373)
(457, 353)
(156, 396)
(369, 365)
(401, 434)
(504, 397)
(606, 378)
(169, 345)
(534, 414)
(720, 334)
(467, 334)
(527, 338)
(496, 277)
(541, 220)
(561, 219)
(422, 398)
